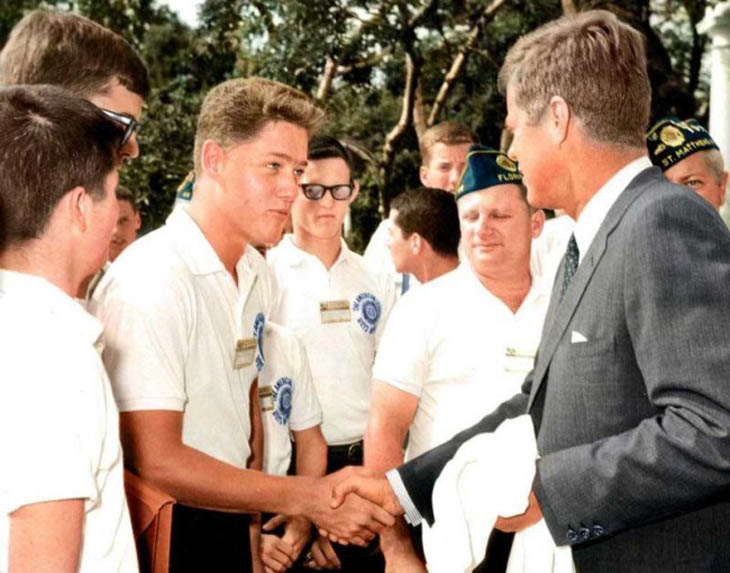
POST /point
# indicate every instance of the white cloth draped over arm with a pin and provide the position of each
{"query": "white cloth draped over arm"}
(490, 475)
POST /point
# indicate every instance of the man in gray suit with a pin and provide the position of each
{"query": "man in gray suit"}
(630, 392)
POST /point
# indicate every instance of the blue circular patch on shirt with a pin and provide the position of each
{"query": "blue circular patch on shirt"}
(282, 395)
(258, 332)
(370, 310)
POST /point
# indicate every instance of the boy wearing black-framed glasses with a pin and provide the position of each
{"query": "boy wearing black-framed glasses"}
(338, 306)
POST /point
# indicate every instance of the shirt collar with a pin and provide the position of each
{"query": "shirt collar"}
(595, 211)
(195, 249)
(51, 300)
(294, 256)
(538, 286)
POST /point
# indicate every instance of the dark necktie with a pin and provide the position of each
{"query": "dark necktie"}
(406, 284)
(571, 264)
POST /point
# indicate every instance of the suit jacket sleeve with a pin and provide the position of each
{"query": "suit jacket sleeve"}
(676, 303)
(420, 474)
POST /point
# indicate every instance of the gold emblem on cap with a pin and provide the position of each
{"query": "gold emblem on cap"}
(671, 136)
(506, 163)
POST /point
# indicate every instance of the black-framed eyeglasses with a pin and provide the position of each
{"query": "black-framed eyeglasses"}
(315, 191)
(129, 124)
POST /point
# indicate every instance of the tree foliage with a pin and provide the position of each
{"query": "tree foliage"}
(384, 70)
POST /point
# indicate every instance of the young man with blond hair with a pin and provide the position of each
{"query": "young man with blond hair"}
(62, 505)
(443, 150)
(184, 314)
(628, 396)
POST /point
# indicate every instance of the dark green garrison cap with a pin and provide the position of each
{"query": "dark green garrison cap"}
(671, 140)
(486, 167)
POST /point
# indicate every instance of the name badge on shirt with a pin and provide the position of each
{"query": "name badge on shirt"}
(245, 353)
(266, 398)
(518, 360)
(334, 311)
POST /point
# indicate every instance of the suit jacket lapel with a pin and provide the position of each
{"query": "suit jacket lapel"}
(560, 313)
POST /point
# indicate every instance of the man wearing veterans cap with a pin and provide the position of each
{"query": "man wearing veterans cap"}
(688, 156)
(629, 394)
(465, 341)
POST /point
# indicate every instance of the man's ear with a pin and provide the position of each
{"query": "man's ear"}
(355, 191)
(77, 202)
(416, 242)
(423, 173)
(137, 220)
(558, 117)
(212, 158)
(537, 222)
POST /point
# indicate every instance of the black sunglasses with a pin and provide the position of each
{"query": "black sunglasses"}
(129, 124)
(315, 191)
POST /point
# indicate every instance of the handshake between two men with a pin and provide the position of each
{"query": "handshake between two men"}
(363, 503)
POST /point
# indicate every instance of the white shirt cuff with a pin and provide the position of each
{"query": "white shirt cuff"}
(412, 515)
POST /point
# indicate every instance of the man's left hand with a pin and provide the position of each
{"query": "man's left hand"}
(516, 523)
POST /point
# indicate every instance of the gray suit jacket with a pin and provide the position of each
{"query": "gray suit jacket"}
(633, 425)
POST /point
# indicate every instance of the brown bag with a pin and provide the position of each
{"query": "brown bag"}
(151, 513)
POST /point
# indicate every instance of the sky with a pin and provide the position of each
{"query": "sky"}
(187, 10)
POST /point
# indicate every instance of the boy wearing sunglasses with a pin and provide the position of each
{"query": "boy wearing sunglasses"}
(337, 305)
(87, 59)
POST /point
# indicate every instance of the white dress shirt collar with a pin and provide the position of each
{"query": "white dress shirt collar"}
(595, 211)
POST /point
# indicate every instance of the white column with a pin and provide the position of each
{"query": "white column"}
(716, 24)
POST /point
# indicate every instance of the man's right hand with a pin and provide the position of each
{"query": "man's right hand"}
(353, 520)
(367, 485)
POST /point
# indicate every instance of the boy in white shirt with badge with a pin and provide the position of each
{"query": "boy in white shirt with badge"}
(184, 314)
(335, 303)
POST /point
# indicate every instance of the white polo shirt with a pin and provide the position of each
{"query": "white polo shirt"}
(59, 426)
(286, 394)
(339, 315)
(460, 349)
(181, 335)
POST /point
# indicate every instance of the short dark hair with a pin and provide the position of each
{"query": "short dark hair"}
(328, 147)
(126, 194)
(68, 50)
(431, 213)
(51, 142)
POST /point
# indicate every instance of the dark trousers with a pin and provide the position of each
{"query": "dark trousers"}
(207, 540)
(353, 559)
(498, 549)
